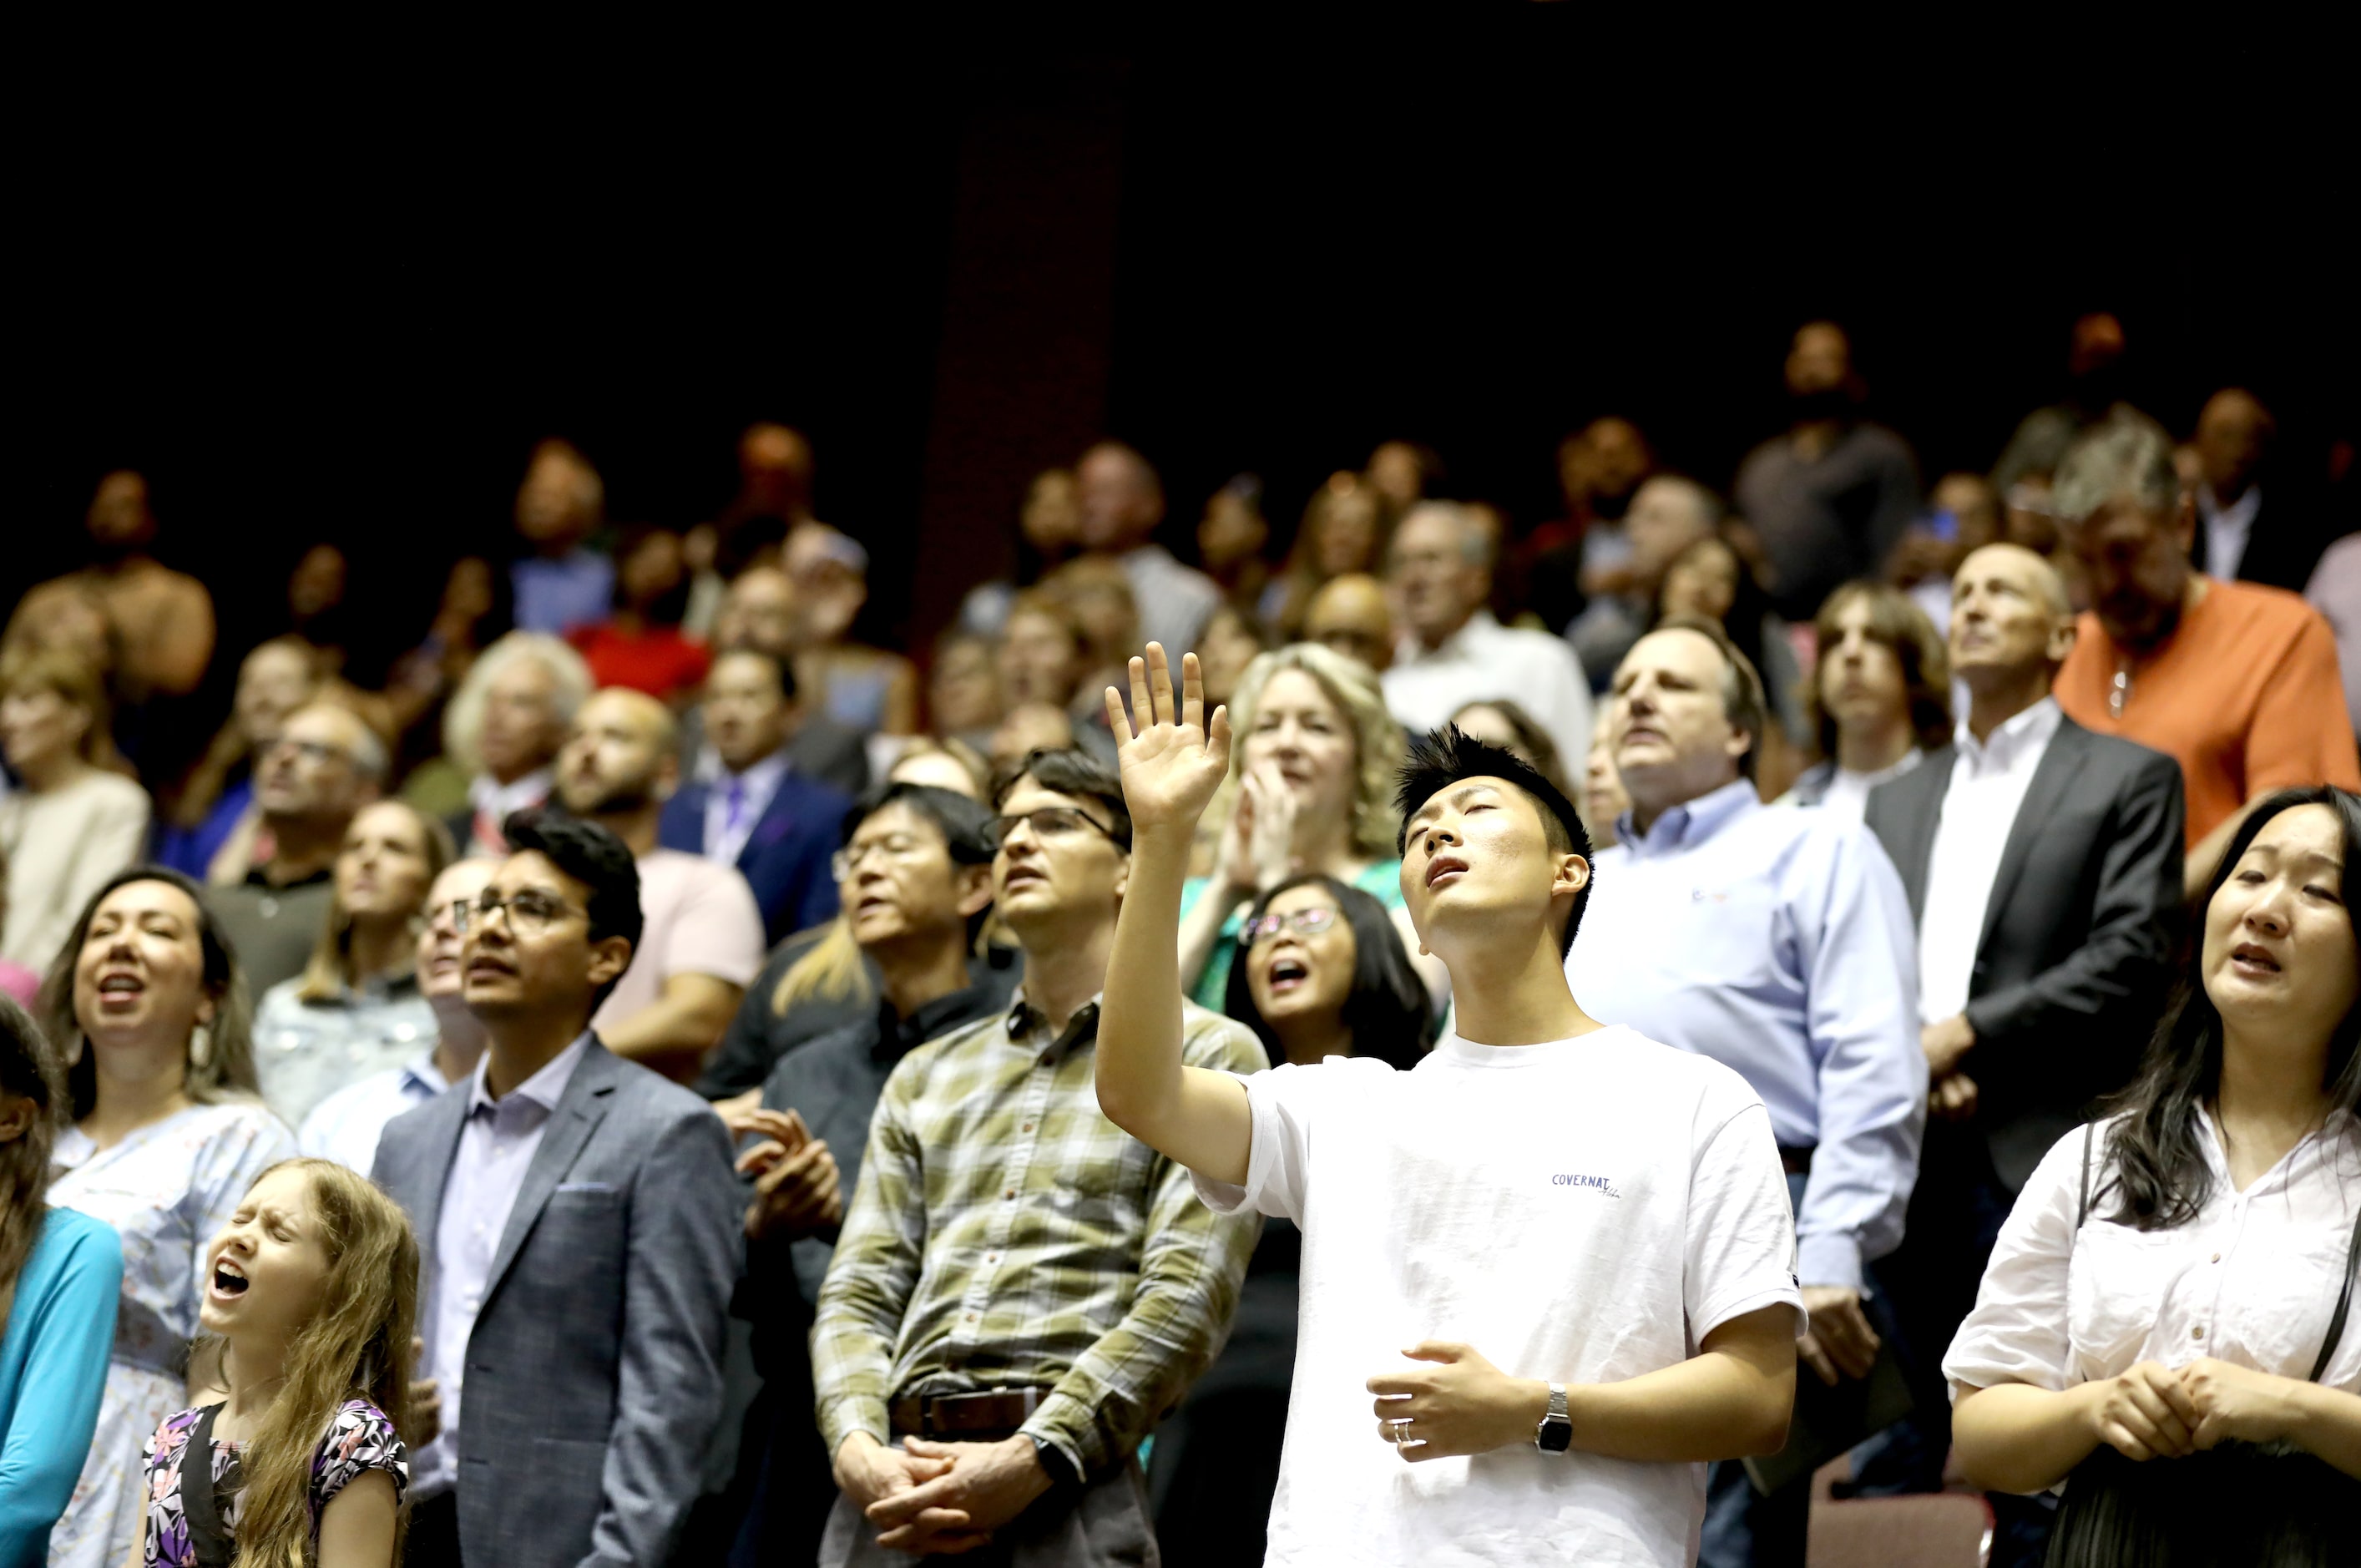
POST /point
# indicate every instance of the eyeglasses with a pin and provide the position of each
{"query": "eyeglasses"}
(1050, 822)
(1307, 921)
(312, 750)
(527, 910)
(893, 847)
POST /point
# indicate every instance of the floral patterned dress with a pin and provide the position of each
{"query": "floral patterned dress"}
(166, 1189)
(359, 1440)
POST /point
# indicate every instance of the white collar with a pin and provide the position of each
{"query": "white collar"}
(2013, 738)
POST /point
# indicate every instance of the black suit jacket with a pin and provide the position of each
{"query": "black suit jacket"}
(2284, 545)
(2070, 965)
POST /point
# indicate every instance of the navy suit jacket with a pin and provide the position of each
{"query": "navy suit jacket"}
(786, 860)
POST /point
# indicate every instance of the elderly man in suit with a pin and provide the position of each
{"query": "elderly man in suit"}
(759, 814)
(2043, 866)
(579, 1220)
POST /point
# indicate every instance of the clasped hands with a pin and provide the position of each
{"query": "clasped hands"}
(2154, 1412)
(798, 1189)
(939, 1498)
(1460, 1405)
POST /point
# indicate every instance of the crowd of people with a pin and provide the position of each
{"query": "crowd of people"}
(1843, 968)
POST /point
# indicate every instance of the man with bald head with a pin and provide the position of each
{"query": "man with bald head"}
(1668, 512)
(324, 765)
(2043, 866)
(1120, 501)
(703, 936)
(1349, 616)
(2235, 540)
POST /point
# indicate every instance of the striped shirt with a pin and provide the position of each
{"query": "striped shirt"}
(1006, 1232)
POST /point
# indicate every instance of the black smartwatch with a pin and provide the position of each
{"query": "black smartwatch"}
(1555, 1434)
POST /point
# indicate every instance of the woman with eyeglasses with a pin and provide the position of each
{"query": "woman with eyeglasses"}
(150, 1009)
(356, 1010)
(1310, 789)
(1320, 972)
(2168, 1323)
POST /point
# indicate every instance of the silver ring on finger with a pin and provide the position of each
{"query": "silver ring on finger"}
(1401, 1430)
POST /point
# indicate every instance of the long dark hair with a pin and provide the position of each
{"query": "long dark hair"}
(226, 1071)
(29, 1070)
(1387, 1009)
(2156, 1150)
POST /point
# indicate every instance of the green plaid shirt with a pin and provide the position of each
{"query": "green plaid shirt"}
(1006, 1232)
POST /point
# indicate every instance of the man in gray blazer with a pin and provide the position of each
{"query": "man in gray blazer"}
(2043, 867)
(580, 1221)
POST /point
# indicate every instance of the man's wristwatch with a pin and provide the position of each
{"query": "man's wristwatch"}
(1555, 1434)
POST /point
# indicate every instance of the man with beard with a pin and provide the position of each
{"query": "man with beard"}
(1834, 494)
(1561, 566)
(703, 937)
(2237, 682)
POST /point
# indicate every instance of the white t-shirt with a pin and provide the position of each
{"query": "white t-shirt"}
(1583, 1212)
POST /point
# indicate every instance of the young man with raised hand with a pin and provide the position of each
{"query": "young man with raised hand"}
(1558, 1255)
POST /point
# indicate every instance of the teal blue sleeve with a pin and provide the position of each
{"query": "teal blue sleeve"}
(67, 1339)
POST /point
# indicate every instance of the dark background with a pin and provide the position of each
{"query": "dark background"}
(338, 286)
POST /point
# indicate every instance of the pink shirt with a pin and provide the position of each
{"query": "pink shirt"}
(700, 919)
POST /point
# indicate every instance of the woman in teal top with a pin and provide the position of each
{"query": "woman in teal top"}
(1310, 790)
(60, 1275)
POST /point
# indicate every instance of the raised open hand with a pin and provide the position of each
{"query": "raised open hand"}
(1177, 759)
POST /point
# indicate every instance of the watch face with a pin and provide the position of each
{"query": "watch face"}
(1556, 1435)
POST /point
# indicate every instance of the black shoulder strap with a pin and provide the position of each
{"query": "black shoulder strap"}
(2343, 1304)
(2083, 1214)
(212, 1543)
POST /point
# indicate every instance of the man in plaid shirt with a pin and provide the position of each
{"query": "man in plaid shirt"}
(1020, 1288)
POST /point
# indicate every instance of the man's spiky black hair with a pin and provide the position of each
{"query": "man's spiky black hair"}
(1440, 758)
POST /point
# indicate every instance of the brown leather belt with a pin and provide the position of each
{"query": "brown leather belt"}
(984, 1416)
(1795, 1161)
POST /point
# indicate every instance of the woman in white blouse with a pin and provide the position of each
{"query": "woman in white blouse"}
(151, 1014)
(2168, 1324)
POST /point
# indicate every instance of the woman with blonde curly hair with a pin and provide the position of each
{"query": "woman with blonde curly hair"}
(1310, 790)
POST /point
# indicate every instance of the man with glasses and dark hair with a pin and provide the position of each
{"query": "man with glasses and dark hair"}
(325, 765)
(915, 871)
(1020, 1289)
(578, 1222)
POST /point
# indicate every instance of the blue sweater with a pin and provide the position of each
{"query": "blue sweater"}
(52, 1370)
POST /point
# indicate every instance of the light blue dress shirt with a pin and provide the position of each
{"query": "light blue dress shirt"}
(578, 589)
(346, 1126)
(1779, 944)
(496, 1149)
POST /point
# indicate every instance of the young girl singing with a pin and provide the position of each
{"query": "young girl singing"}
(309, 1291)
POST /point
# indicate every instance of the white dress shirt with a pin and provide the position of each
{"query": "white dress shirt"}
(1485, 662)
(2252, 1279)
(496, 1149)
(1987, 787)
(492, 802)
(1848, 791)
(2227, 528)
(727, 829)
